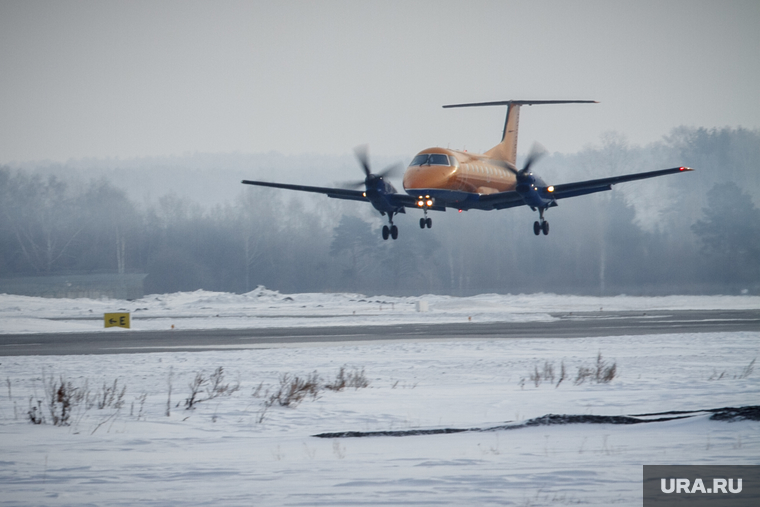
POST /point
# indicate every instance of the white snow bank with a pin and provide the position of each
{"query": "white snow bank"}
(263, 308)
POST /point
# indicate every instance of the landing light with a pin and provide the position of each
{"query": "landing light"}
(424, 201)
(550, 188)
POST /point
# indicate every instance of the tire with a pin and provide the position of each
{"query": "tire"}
(536, 228)
(394, 232)
(429, 223)
(422, 223)
(386, 232)
(545, 228)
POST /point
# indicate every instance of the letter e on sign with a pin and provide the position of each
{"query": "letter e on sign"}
(117, 320)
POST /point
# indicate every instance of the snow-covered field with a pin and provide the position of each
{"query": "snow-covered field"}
(235, 450)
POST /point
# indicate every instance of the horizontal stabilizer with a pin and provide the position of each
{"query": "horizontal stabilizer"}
(506, 150)
(522, 103)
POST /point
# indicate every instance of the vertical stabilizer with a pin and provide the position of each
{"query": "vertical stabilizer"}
(506, 150)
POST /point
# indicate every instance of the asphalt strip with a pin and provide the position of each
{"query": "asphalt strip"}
(727, 414)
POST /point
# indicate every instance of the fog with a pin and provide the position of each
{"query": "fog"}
(189, 224)
(130, 79)
(176, 102)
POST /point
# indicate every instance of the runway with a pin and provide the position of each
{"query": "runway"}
(566, 325)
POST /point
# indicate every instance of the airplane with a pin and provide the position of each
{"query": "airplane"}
(440, 178)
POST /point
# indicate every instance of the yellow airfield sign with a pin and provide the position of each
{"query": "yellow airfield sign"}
(117, 320)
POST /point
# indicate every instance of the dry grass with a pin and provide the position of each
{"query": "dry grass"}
(65, 403)
(601, 372)
(744, 373)
(62, 398)
(293, 389)
(355, 378)
(214, 386)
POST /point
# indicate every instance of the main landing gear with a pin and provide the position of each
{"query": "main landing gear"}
(390, 231)
(542, 225)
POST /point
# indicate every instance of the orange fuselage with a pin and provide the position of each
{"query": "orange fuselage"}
(444, 169)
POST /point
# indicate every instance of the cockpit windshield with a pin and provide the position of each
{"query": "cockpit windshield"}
(432, 159)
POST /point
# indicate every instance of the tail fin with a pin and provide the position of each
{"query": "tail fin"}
(506, 150)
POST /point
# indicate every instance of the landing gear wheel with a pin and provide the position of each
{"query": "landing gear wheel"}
(545, 228)
(386, 232)
(536, 228)
(422, 223)
(429, 222)
(394, 232)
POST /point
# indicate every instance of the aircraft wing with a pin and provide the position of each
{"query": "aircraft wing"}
(500, 200)
(511, 198)
(336, 193)
(395, 200)
(591, 186)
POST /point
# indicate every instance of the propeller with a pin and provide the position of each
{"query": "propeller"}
(363, 157)
(536, 152)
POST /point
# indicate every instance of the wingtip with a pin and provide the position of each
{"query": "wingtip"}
(684, 168)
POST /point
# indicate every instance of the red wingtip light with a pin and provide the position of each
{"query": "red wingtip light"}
(685, 169)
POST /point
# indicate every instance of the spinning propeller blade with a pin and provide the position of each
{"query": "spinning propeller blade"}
(363, 157)
(536, 152)
(391, 170)
(361, 154)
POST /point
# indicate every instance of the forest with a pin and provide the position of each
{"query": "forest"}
(189, 224)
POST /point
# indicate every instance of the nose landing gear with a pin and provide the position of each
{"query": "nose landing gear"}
(426, 221)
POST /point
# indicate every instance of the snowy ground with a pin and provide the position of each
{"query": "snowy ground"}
(233, 450)
(265, 308)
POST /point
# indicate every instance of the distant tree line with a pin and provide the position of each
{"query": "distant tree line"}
(685, 233)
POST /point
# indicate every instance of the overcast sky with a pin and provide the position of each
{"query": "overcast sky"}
(130, 79)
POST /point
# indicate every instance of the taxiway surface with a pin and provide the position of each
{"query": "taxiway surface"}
(565, 325)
